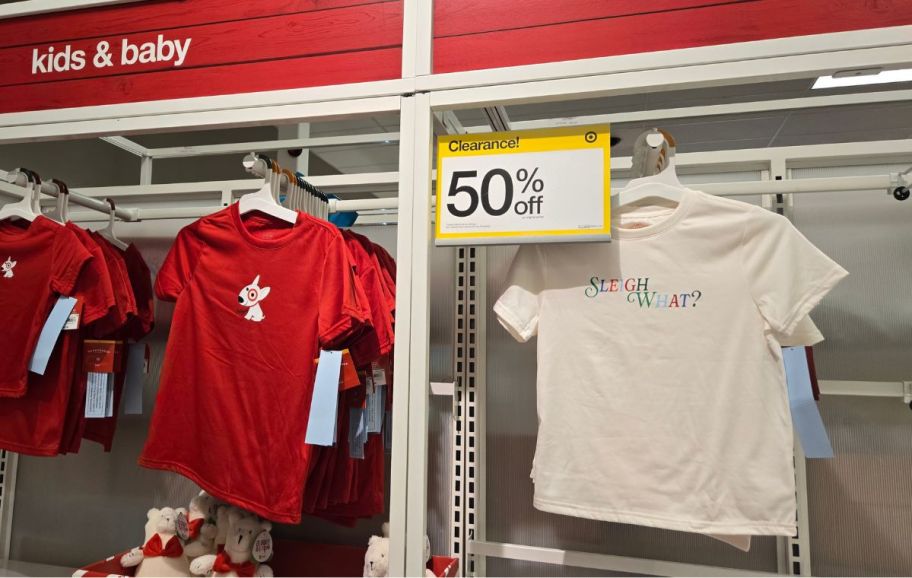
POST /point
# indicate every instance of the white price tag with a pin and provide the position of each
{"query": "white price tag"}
(183, 527)
(262, 547)
(378, 374)
(524, 187)
(96, 394)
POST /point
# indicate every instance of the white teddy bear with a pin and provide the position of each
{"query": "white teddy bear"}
(201, 523)
(376, 559)
(236, 558)
(162, 553)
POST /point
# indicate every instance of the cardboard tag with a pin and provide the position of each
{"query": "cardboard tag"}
(102, 355)
(378, 373)
(183, 527)
(376, 402)
(349, 377)
(53, 325)
(324, 404)
(96, 394)
(805, 414)
(135, 378)
(262, 547)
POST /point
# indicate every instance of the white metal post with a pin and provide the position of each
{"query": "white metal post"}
(8, 463)
(417, 37)
(419, 339)
(402, 357)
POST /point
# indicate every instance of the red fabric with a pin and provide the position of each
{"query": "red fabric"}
(153, 547)
(372, 345)
(195, 525)
(812, 370)
(35, 423)
(224, 565)
(48, 260)
(243, 385)
(141, 283)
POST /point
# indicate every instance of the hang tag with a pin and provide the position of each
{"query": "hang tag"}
(349, 376)
(369, 385)
(262, 547)
(102, 355)
(388, 431)
(72, 322)
(96, 394)
(376, 402)
(183, 527)
(357, 432)
(324, 404)
(378, 373)
(805, 414)
(135, 378)
(53, 325)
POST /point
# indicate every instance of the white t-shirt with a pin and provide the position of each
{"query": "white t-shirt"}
(661, 394)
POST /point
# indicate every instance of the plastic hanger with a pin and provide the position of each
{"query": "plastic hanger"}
(61, 211)
(653, 158)
(264, 200)
(108, 231)
(24, 208)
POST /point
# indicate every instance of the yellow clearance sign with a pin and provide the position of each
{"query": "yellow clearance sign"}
(533, 186)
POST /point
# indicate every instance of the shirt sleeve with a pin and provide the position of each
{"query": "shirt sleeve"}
(518, 308)
(787, 275)
(805, 333)
(69, 257)
(94, 284)
(343, 305)
(177, 270)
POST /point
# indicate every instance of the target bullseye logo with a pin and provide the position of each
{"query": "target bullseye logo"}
(591, 137)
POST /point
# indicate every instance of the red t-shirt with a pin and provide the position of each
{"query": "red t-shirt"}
(40, 260)
(137, 326)
(35, 423)
(256, 300)
(378, 342)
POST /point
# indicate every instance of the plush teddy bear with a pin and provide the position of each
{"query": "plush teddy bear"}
(376, 559)
(236, 558)
(162, 553)
(201, 520)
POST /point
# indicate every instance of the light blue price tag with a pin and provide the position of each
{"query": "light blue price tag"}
(805, 414)
(49, 334)
(97, 394)
(376, 403)
(321, 427)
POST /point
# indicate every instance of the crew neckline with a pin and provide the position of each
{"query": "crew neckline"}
(259, 241)
(665, 224)
(7, 229)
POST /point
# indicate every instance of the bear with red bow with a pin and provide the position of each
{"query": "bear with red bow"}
(247, 544)
(162, 554)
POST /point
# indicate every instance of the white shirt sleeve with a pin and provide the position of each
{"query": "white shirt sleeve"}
(518, 307)
(787, 275)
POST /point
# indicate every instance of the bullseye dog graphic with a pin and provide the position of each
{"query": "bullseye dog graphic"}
(251, 296)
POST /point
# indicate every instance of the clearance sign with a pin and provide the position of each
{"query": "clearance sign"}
(534, 186)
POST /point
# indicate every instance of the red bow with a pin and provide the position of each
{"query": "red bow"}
(224, 565)
(154, 548)
(194, 526)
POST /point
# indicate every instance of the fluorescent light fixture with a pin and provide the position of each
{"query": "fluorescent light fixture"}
(863, 77)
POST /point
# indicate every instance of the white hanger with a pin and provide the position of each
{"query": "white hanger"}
(653, 158)
(24, 208)
(108, 231)
(61, 212)
(264, 200)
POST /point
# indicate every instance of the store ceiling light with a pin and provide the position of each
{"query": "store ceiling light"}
(864, 76)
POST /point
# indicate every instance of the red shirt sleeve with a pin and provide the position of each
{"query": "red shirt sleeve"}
(69, 257)
(343, 307)
(177, 270)
(94, 283)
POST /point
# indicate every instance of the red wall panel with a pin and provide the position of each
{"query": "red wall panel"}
(474, 34)
(236, 46)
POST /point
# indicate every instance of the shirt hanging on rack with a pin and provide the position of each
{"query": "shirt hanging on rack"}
(661, 394)
(43, 260)
(35, 423)
(256, 300)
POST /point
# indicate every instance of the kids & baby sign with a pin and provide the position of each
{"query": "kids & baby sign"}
(107, 54)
